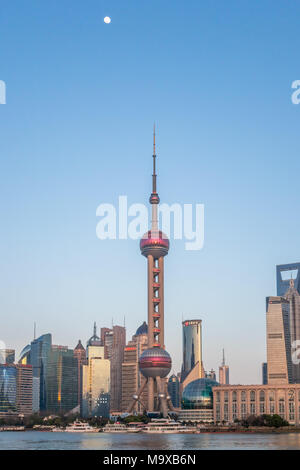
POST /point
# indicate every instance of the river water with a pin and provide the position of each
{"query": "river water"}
(34, 440)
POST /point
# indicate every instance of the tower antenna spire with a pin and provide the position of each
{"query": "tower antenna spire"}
(95, 329)
(154, 190)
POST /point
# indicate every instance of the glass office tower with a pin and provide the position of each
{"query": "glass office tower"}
(61, 380)
(173, 390)
(8, 388)
(192, 346)
(39, 353)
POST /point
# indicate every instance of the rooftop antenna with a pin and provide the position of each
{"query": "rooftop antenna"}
(223, 363)
(95, 329)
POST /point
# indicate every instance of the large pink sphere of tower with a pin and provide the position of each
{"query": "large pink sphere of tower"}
(154, 243)
(155, 362)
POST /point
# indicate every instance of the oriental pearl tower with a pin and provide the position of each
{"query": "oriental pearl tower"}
(155, 362)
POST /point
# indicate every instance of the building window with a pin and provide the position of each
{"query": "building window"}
(243, 396)
(225, 412)
(226, 397)
(252, 408)
(281, 407)
(261, 395)
(252, 395)
(218, 397)
(262, 407)
(243, 410)
(234, 396)
(234, 411)
(291, 411)
(218, 414)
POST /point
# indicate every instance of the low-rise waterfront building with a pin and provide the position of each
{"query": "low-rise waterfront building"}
(196, 416)
(237, 402)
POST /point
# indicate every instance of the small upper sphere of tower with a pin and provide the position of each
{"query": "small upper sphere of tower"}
(154, 198)
(155, 362)
(154, 243)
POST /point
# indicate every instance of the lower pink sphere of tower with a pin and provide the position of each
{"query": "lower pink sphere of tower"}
(155, 362)
(155, 243)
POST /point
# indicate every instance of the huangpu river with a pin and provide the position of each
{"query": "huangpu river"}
(34, 440)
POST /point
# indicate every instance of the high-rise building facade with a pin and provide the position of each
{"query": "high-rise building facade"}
(132, 379)
(285, 272)
(24, 389)
(264, 373)
(25, 355)
(15, 390)
(61, 380)
(80, 355)
(39, 353)
(293, 296)
(278, 341)
(8, 389)
(155, 363)
(192, 362)
(95, 378)
(173, 390)
(223, 372)
(114, 341)
(7, 356)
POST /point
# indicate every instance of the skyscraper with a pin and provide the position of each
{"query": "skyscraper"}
(285, 272)
(192, 363)
(173, 390)
(39, 352)
(7, 356)
(223, 372)
(15, 389)
(278, 341)
(114, 341)
(80, 355)
(293, 296)
(155, 363)
(61, 380)
(8, 389)
(24, 389)
(95, 378)
(132, 378)
(264, 373)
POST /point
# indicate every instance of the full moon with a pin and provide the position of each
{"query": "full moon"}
(107, 20)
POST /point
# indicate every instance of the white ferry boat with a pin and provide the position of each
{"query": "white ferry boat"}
(79, 426)
(135, 427)
(167, 426)
(115, 427)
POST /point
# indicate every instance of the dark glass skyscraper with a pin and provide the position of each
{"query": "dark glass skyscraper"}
(39, 353)
(61, 380)
(264, 371)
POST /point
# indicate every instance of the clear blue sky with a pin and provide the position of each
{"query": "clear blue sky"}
(77, 131)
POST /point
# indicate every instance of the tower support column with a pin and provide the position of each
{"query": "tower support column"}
(161, 304)
(150, 300)
(151, 394)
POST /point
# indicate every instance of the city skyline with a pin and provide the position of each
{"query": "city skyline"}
(76, 132)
